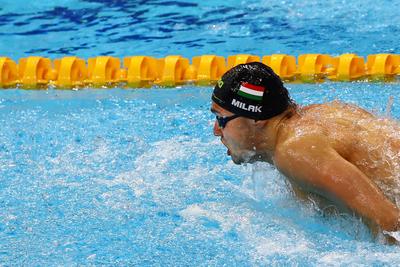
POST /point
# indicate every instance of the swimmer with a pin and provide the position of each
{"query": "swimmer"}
(335, 150)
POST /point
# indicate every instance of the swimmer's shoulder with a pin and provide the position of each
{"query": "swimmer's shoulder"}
(333, 108)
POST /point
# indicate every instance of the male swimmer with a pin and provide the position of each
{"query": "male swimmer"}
(337, 151)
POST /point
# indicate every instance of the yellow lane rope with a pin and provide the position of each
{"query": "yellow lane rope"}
(173, 70)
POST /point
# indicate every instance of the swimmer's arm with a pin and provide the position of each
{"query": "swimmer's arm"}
(317, 165)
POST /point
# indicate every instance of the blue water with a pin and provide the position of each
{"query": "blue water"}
(159, 28)
(120, 177)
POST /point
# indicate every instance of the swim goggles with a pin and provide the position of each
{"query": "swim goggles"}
(222, 121)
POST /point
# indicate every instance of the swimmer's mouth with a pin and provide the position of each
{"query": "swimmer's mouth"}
(228, 152)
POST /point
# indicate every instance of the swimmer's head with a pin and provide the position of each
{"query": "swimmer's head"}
(253, 91)
(243, 101)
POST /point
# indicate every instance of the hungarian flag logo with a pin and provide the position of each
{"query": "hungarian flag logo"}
(250, 91)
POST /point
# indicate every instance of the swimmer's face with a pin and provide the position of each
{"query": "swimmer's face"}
(238, 136)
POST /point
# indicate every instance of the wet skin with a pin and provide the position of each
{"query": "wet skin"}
(338, 151)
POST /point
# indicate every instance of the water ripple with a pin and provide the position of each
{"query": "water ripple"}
(293, 28)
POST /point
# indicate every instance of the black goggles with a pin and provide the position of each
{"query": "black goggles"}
(222, 121)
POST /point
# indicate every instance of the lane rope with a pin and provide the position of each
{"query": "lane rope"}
(37, 72)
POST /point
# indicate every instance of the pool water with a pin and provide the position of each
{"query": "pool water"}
(88, 28)
(123, 177)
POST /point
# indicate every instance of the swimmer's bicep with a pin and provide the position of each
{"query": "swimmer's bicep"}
(321, 168)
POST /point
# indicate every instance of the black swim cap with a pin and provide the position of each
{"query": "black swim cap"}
(252, 90)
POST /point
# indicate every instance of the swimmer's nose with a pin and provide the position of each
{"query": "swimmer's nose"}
(217, 130)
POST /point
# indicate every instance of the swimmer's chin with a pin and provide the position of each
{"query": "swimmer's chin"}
(237, 161)
(247, 160)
